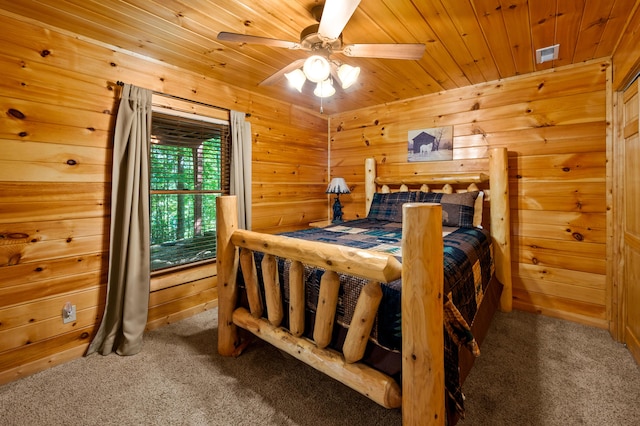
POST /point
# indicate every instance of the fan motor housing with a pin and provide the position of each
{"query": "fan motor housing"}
(311, 40)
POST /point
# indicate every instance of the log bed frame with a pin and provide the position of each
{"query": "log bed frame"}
(422, 395)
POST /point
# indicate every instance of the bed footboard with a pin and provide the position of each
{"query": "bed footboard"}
(422, 395)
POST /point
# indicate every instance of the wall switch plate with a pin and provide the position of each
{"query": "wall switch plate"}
(68, 313)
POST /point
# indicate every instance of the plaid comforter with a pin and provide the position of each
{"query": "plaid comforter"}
(468, 268)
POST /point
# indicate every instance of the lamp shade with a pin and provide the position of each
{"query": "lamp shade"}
(324, 89)
(338, 186)
(296, 79)
(348, 75)
(316, 68)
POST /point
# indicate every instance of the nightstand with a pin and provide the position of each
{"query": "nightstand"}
(320, 224)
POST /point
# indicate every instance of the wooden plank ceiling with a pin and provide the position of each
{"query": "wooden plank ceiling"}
(467, 41)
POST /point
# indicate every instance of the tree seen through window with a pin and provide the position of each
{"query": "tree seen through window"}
(189, 169)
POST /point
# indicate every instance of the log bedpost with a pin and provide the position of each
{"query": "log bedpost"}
(500, 222)
(422, 315)
(369, 182)
(227, 224)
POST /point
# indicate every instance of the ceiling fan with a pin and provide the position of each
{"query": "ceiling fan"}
(322, 40)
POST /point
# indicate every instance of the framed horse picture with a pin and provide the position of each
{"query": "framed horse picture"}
(432, 144)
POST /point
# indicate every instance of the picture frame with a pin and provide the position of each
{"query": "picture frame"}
(430, 144)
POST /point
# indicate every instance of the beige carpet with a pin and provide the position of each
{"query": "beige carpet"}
(533, 371)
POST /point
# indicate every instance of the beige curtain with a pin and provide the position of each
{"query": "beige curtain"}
(125, 313)
(240, 184)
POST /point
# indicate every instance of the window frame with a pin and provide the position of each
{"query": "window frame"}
(225, 176)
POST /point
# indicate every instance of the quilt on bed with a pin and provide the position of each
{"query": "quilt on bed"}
(468, 268)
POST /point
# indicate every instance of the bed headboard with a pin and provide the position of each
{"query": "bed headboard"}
(487, 174)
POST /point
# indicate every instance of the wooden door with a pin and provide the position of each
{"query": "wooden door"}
(631, 221)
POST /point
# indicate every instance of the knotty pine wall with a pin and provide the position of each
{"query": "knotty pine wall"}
(554, 124)
(58, 103)
(626, 58)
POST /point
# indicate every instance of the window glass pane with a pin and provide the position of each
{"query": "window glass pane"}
(183, 229)
(212, 176)
(171, 167)
(188, 157)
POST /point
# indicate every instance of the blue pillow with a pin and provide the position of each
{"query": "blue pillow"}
(457, 209)
(389, 206)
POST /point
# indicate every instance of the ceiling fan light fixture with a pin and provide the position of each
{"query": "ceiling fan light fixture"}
(316, 68)
(296, 79)
(324, 89)
(348, 75)
(322, 40)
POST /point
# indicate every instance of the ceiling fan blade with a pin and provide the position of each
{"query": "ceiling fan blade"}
(242, 38)
(385, 51)
(335, 16)
(278, 75)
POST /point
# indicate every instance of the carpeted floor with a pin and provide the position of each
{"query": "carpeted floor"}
(533, 371)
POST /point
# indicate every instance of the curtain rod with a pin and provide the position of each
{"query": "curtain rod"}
(121, 83)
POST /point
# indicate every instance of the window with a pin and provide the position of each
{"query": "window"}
(189, 167)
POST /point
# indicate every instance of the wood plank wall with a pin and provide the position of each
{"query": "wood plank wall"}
(57, 103)
(626, 58)
(554, 124)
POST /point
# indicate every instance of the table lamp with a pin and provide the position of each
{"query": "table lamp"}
(337, 186)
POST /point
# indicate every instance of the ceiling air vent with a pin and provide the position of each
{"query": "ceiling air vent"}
(547, 53)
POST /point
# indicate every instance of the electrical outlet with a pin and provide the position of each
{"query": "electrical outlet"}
(68, 313)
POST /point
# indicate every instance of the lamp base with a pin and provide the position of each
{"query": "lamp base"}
(337, 210)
